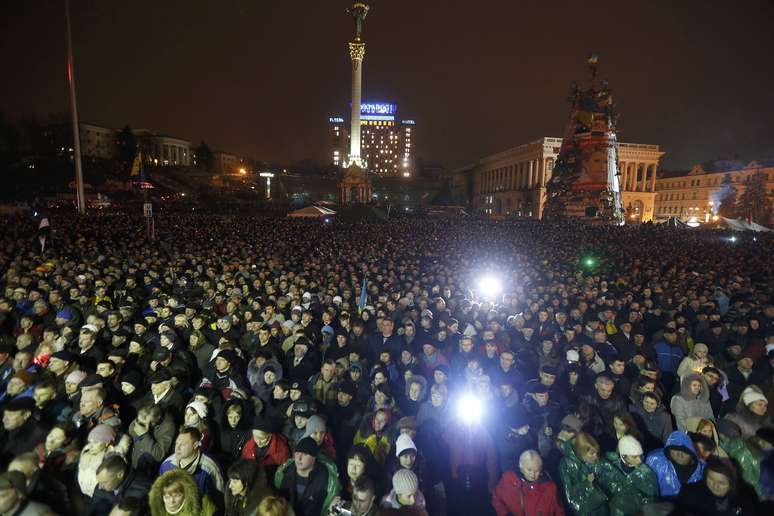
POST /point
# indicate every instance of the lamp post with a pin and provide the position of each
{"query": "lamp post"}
(268, 176)
(80, 194)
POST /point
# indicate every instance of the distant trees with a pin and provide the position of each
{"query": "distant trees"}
(126, 147)
(754, 201)
(728, 205)
(204, 158)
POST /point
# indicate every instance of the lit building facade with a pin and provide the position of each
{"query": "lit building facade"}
(696, 194)
(387, 142)
(513, 182)
(165, 151)
(97, 141)
(224, 163)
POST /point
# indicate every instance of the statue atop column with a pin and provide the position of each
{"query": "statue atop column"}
(358, 11)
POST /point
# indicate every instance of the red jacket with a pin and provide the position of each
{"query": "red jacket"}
(514, 495)
(277, 452)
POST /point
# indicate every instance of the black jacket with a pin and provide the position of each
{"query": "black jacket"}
(310, 503)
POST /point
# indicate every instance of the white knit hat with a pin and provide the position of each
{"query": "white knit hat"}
(628, 445)
(573, 355)
(199, 407)
(403, 443)
(405, 482)
(751, 396)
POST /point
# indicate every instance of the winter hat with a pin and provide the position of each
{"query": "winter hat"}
(90, 327)
(405, 482)
(102, 434)
(573, 355)
(264, 424)
(409, 422)
(315, 424)
(404, 443)
(76, 377)
(199, 407)
(628, 445)
(307, 446)
(700, 347)
(750, 396)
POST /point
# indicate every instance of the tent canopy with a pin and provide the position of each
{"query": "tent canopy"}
(316, 212)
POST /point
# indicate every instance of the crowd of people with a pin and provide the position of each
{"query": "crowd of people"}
(241, 365)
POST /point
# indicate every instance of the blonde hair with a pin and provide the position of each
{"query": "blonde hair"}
(583, 443)
(272, 506)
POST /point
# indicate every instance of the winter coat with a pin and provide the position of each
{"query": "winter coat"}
(692, 364)
(322, 487)
(668, 356)
(194, 504)
(628, 488)
(87, 469)
(134, 485)
(748, 456)
(20, 440)
(247, 505)
(276, 454)
(583, 497)
(255, 377)
(692, 425)
(155, 444)
(658, 460)
(698, 499)
(685, 404)
(748, 422)
(390, 501)
(656, 426)
(204, 470)
(515, 496)
(30, 508)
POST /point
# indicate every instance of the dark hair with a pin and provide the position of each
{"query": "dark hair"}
(113, 463)
(719, 466)
(194, 432)
(707, 443)
(364, 484)
(245, 470)
(130, 504)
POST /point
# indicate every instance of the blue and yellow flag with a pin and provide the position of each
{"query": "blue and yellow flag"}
(362, 302)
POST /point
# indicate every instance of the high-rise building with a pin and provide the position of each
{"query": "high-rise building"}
(387, 142)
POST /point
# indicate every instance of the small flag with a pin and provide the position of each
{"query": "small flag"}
(136, 166)
(362, 302)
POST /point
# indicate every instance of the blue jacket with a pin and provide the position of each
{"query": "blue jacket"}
(668, 482)
(668, 357)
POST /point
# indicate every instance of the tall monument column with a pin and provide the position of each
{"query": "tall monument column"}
(356, 53)
(354, 185)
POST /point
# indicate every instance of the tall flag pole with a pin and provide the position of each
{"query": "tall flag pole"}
(80, 194)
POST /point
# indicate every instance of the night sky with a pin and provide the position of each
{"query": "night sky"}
(260, 78)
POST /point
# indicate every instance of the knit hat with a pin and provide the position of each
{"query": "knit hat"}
(307, 446)
(315, 424)
(199, 407)
(405, 482)
(404, 443)
(264, 424)
(76, 377)
(407, 422)
(628, 445)
(102, 434)
(573, 355)
(750, 396)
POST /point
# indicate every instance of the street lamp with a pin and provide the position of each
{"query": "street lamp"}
(268, 176)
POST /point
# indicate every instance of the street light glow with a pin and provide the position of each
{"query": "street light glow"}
(469, 409)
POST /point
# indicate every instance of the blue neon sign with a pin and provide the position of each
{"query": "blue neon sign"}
(378, 108)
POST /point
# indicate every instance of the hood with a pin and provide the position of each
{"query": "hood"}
(692, 425)
(679, 439)
(699, 347)
(414, 379)
(685, 387)
(273, 364)
(192, 503)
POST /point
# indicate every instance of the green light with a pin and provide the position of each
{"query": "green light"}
(589, 262)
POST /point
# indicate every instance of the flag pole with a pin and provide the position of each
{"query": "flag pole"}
(80, 195)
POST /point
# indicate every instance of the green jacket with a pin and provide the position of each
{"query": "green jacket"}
(748, 461)
(628, 488)
(584, 498)
(333, 487)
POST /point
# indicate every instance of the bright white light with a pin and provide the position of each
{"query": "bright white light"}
(469, 409)
(490, 286)
(733, 239)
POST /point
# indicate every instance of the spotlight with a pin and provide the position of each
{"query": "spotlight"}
(469, 409)
(490, 286)
(732, 239)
